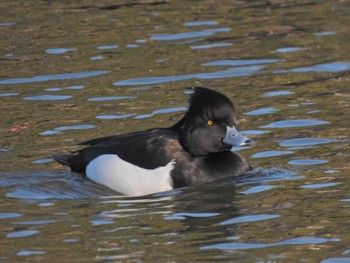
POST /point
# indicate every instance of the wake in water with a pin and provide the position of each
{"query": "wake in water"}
(262, 176)
(60, 184)
(49, 185)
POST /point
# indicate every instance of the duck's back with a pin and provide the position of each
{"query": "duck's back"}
(146, 149)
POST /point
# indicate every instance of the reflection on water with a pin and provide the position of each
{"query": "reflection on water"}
(327, 67)
(59, 50)
(30, 252)
(266, 110)
(292, 241)
(108, 47)
(325, 33)
(228, 73)
(9, 215)
(49, 97)
(270, 154)
(278, 93)
(294, 123)
(307, 162)
(168, 37)
(22, 233)
(9, 94)
(315, 186)
(80, 70)
(7, 24)
(110, 98)
(240, 62)
(66, 76)
(305, 142)
(288, 49)
(60, 129)
(212, 46)
(245, 219)
(114, 117)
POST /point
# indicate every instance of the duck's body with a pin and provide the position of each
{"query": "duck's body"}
(194, 151)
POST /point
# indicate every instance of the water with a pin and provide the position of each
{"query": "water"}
(73, 71)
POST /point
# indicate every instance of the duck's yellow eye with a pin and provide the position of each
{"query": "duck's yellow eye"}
(210, 122)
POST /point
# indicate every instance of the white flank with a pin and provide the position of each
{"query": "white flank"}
(129, 179)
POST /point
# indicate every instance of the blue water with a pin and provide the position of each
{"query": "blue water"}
(270, 154)
(212, 46)
(292, 241)
(201, 23)
(59, 50)
(279, 93)
(289, 49)
(110, 98)
(108, 47)
(262, 111)
(67, 76)
(59, 130)
(228, 73)
(294, 123)
(307, 162)
(306, 142)
(246, 219)
(49, 97)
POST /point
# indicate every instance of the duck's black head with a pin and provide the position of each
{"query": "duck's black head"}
(209, 125)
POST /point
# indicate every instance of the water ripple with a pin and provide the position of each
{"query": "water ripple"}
(326, 67)
(292, 241)
(336, 260)
(295, 123)
(114, 117)
(201, 23)
(168, 37)
(108, 47)
(75, 127)
(289, 49)
(250, 218)
(305, 142)
(7, 24)
(258, 189)
(111, 98)
(49, 97)
(307, 162)
(316, 186)
(278, 93)
(22, 233)
(212, 46)
(10, 94)
(262, 111)
(240, 62)
(228, 73)
(270, 154)
(183, 215)
(9, 215)
(59, 50)
(59, 130)
(24, 253)
(55, 77)
(325, 33)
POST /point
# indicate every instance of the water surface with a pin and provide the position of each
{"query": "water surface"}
(77, 70)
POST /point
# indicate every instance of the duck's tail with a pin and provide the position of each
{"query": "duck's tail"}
(62, 158)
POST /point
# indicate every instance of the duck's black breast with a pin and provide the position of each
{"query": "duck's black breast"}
(208, 168)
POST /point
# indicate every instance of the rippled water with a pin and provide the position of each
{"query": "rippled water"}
(72, 71)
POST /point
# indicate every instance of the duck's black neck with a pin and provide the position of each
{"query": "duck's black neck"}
(179, 125)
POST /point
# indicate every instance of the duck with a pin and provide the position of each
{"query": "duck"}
(194, 151)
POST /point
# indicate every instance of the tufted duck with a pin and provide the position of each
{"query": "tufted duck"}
(195, 150)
